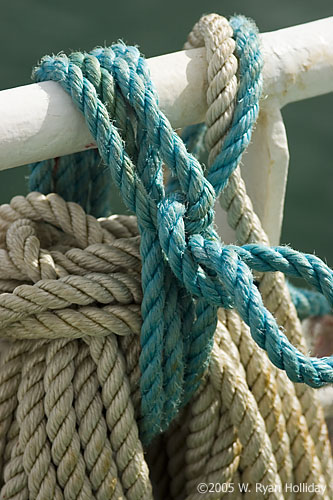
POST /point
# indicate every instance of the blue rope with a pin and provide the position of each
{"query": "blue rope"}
(158, 387)
(193, 137)
(79, 177)
(308, 303)
(187, 273)
(247, 51)
(82, 177)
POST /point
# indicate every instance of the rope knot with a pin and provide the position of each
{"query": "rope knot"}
(84, 282)
(186, 272)
(25, 253)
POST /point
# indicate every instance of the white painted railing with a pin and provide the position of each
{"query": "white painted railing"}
(39, 121)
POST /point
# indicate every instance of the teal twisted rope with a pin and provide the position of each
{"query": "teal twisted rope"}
(79, 177)
(308, 303)
(247, 51)
(177, 232)
(82, 177)
(162, 381)
(246, 111)
(162, 339)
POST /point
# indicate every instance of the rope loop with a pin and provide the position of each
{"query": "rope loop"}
(186, 271)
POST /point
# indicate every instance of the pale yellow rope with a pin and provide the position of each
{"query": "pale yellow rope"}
(92, 428)
(67, 425)
(15, 478)
(10, 377)
(212, 32)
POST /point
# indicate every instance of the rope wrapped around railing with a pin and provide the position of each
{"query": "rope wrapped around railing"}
(75, 405)
(187, 273)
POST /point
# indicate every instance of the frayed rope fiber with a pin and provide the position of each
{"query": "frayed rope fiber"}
(187, 272)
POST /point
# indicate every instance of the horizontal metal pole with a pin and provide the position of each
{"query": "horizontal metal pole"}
(39, 121)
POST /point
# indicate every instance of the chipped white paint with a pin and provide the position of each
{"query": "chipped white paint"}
(39, 121)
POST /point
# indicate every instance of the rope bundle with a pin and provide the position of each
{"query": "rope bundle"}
(177, 234)
(75, 395)
(72, 278)
(70, 396)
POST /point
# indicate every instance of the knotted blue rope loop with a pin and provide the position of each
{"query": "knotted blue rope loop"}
(187, 272)
(200, 195)
(237, 279)
(191, 324)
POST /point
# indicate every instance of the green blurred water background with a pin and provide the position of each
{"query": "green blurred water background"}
(33, 28)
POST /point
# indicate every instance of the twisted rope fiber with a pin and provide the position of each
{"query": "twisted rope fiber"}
(248, 226)
(42, 203)
(276, 297)
(81, 177)
(199, 364)
(211, 31)
(199, 454)
(148, 243)
(206, 31)
(195, 464)
(289, 271)
(170, 210)
(156, 357)
(153, 306)
(308, 303)
(303, 468)
(259, 376)
(58, 390)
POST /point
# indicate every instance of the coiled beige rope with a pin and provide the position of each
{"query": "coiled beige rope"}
(69, 373)
(69, 407)
(76, 435)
